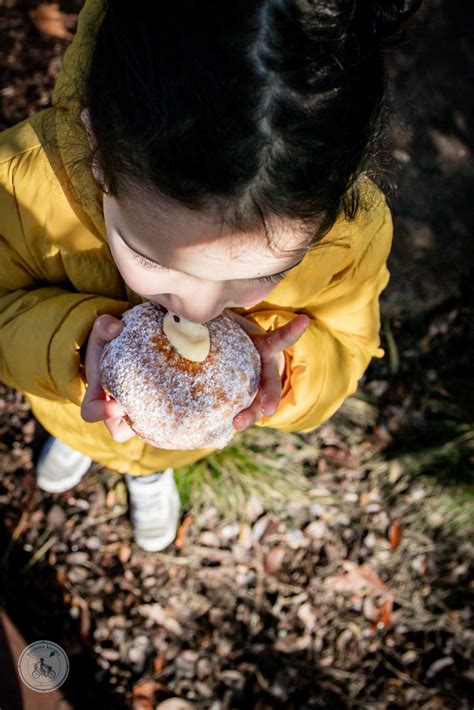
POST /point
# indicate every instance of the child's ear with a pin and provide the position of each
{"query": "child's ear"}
(86, 121)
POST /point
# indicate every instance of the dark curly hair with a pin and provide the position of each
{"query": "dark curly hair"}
(256, 109)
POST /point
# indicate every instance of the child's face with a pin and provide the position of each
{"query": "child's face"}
(192, 268)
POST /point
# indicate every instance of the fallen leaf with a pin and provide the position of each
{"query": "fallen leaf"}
(161, 617)
(145, 689)
(395, 534)
(274, 559)
(61, 575)
(124, 553)
(142, 704)
(326, 661)
(179, 541)
(110, 498)
(292, 643)
(370, 610)
(21, 526)
(386, 609)
(355, 578)
(159, 662)
(263, 527)
(48, 19)
(85, 619)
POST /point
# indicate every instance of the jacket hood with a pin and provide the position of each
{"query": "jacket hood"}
(69, 132)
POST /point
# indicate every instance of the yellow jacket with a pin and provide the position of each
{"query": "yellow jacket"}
(57, 275)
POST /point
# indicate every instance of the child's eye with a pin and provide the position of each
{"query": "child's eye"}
(147, 264)
(276, 278)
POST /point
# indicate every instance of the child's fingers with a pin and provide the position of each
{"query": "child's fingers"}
(270, 342)
(119, 430)
(96, 410)
(99, 337)
(267, 399)
(248, 417)
(94, 406)
(284, 337)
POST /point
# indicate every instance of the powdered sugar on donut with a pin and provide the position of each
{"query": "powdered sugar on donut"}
(172, 402)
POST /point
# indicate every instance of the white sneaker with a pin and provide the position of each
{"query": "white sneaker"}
(154, 509)
(59, 467)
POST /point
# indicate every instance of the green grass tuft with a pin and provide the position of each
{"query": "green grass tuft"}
(258, 461)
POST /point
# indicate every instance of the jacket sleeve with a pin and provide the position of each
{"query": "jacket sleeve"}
(42, 329)
(42, 326)
(324, 366)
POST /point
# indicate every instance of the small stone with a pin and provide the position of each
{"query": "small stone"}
(253, 509)
(229, 532)
(175, 704)
(93, 543)
(209, 539)
(110, 654)
(370, 540)
(56, 517)
(186, 663)
(204, 690)
(317, 510)
(224, 647)
(316, 530)
(78, 574)
(295, 538)
(203, 668)
(137, 652)
(306, 614)
(233, 679)
(77, 558)
(340, 519)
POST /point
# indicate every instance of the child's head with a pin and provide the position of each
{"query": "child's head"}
(230, 136)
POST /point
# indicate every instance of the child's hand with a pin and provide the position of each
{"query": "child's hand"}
(270, 346)
(98, 406)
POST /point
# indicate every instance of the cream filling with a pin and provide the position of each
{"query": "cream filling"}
(190, 340)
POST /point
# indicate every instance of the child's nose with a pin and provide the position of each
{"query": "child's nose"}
(197, 312)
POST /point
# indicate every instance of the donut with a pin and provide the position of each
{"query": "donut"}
(180, 383)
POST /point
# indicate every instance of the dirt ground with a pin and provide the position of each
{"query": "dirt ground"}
(358, 592)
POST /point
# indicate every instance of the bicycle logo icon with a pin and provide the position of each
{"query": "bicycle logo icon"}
(43, 666)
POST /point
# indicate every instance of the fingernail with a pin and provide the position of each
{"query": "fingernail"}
(113, 329)
(267, 408)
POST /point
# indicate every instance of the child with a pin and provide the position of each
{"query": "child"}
(205, 157)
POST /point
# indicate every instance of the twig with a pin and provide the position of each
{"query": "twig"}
(101, 519)
(39, 554)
